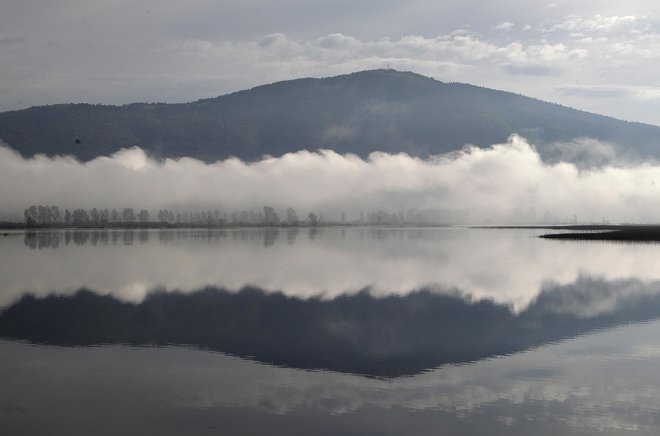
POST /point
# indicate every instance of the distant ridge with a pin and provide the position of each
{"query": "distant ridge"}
(362, 112)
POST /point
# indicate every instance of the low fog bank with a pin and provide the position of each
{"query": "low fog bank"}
(506, 183)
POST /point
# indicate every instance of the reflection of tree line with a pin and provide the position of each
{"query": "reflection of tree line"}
(38, 239)
(388, 336)
(54, 216)
(49, 239)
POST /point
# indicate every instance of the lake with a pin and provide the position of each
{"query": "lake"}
(327, 331)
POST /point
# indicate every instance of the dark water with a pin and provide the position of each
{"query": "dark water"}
(327, 331)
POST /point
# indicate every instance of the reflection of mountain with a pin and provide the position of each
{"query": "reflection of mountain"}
(361, 334)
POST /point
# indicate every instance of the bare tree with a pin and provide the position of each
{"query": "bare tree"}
(270, 216)
(128, 215)
(291, 217)
(143, 216)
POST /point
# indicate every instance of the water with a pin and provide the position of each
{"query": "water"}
(327, 331)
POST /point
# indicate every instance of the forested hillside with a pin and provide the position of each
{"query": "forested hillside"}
(383, 110)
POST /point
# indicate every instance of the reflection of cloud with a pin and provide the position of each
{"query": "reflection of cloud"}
(592, 297)
(598, 386)
(507, 266)
(583, 393)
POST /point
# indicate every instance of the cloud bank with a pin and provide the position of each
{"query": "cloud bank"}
(505, 183)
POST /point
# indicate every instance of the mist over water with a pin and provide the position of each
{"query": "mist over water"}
(487, 328)
(509, 267)
(506, 183)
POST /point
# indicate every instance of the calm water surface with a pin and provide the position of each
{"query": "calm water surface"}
(327, 331)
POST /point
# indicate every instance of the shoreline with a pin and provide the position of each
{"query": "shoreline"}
(597, 232)
(651, 234)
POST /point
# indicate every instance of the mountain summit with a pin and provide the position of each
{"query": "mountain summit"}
(384, 110)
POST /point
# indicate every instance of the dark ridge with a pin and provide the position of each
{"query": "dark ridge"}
(379, 110)
(648, 234)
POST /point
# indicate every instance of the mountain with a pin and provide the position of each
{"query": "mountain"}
(384, 110)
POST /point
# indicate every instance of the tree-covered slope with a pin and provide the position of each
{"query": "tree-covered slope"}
(383, 110)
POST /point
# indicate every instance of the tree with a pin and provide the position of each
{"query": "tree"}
(43, 214)
(104, 216)
(55, 216)
(128, 215)
(80, 217)
(143, 216)
(270, 216)
(312, 219)
(94, 216)
(30, 215)
(291, 217)
(114, 215)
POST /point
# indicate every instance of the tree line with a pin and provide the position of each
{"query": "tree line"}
(40, 215)
(55, 216)
(51, 216)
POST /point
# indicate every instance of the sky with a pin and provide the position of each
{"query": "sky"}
(599, 56)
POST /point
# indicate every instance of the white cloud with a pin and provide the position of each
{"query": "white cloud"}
(633, 50)
(610, 91)
(599, 23)
(470, 180)
(506, 25)
(338, 41)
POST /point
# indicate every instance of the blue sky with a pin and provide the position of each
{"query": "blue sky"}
(600, 56)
